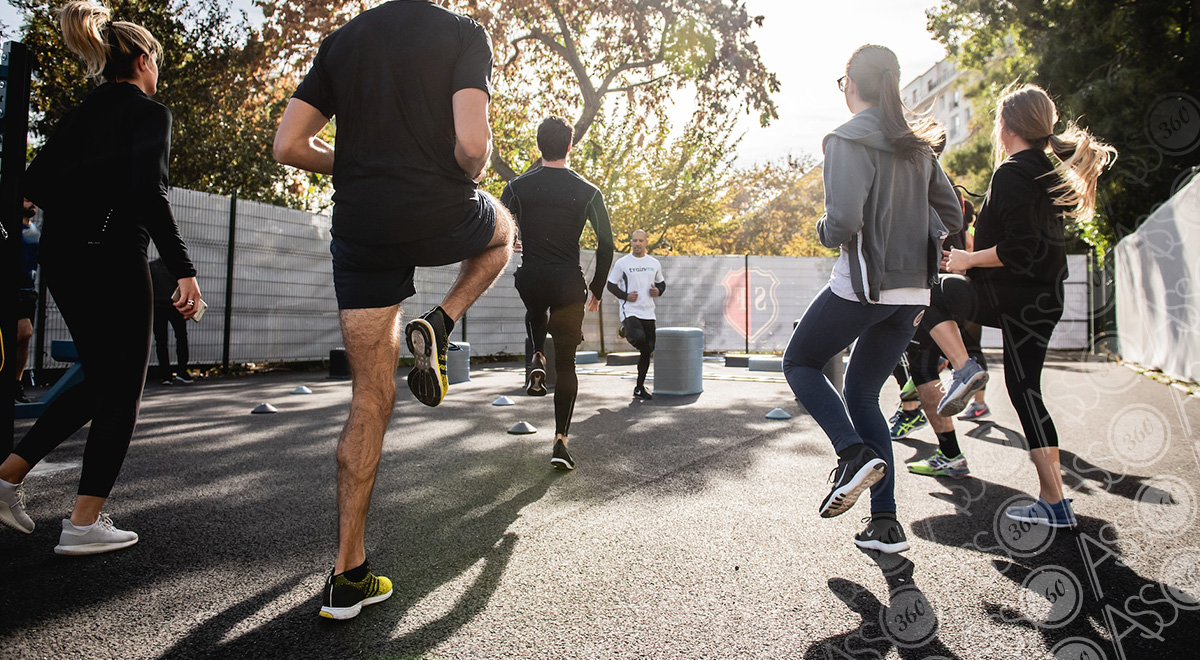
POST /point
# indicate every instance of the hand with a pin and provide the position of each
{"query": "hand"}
(631, 296)
(593, 304)
(957, 261)
(189, 294)
(654, 292)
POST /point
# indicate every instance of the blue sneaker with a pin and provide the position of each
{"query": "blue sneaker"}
(1055, 515)
(964, 383)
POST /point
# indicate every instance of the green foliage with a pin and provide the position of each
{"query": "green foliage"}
(212, 78)
(773, 209)
(1108, 65)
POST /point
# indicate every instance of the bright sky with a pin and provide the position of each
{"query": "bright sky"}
(806, 44)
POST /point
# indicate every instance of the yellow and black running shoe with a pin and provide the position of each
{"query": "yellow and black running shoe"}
(343, 599)
(427, 340)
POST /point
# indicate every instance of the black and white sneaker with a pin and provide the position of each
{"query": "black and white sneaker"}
(561, 458)
(853, 474)
(535, 384)
(882, 533)
(641, 392)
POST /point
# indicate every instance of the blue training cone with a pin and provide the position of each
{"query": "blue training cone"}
(779, 413)
(504, 401)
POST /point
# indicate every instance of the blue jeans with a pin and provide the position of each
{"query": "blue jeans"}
(829, 325)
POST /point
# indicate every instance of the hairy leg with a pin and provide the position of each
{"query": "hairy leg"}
(479, 273)
(372, 338)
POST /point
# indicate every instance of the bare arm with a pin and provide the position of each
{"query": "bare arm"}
(296, 141)
(473, 135)
(960, 261)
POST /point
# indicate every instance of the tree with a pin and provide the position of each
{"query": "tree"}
(214, 78)
(1131, 81)
(570, 57)
(773, 209)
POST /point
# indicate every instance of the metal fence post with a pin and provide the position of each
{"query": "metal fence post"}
(231, 245)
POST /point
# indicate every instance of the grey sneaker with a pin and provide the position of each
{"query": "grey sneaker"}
(101, 536)
(975, 411)
(12, 507)
(883, 534)
(964, 383)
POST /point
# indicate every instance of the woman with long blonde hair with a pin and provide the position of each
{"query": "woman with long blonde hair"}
(101, 180)
(1015, 275)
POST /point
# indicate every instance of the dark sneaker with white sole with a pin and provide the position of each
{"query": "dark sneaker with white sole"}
(642, 393)
(343, 598)
(101, 536)
(1059, 515)
(858, 471)
(882, 533)
(428, 343)
(535, 384)
(561, 458)
(964, 383)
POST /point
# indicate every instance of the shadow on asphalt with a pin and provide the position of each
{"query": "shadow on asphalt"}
(908, 623)
(224, 499)
(1073, 582)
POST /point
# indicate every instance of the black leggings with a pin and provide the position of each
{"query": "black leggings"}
(106, 303)
(166, 314)
(1026, 316)
(554, 299)
(640, 334)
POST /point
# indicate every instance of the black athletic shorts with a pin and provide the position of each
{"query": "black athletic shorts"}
(368, 275)
(27, 300)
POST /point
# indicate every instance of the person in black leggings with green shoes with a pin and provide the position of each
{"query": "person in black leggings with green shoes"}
(101, 179)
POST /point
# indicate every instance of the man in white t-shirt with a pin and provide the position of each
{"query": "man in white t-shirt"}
(637, 279)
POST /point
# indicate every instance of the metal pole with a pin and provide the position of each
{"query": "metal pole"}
(746, 301)
(231, 245)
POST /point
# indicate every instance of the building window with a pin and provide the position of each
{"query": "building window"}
(954, 126)
(957, 98)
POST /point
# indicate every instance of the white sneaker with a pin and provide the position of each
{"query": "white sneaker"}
(12, 507)
(100, 537)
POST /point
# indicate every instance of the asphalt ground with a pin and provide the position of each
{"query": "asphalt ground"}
(689, 530)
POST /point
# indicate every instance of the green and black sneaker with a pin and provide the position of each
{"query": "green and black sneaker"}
(343, 599)
(428, 341)
(908, 423)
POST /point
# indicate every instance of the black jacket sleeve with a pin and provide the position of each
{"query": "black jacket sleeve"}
(662, 287)
(151, 150)
(616, 291)
(598, 216)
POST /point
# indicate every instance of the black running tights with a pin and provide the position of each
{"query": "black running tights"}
(1026, 317)
(106, 303)
(640, 334)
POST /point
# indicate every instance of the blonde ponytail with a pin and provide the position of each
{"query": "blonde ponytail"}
(108, 48)
(1029, 113)
(83, 26)
(1083, 158)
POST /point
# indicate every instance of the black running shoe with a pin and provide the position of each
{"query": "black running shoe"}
(561, 458)
(642, 393)
(535, 384)
(882, 534)
(850, 478)
(342, 599)
(426, 337)
(621, 330)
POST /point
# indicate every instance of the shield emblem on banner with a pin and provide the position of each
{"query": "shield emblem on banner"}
(756, 287)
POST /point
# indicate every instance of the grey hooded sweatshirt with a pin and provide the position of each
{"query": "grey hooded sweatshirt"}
(888, 214)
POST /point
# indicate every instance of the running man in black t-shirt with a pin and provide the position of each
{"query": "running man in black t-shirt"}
(551, 205)
(409, 83)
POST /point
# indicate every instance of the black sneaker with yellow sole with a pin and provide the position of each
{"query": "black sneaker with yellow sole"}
(344, 598)
(427, 340)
